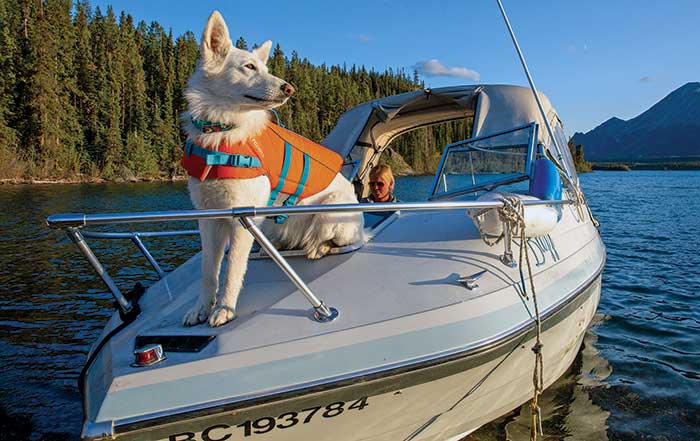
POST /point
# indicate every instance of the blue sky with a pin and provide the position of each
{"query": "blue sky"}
(594, 59)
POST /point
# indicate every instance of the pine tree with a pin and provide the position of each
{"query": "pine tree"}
(582, 166)
(9, 52)
(186, 54)
(53, 136)
(171, 152)
(110, 79)
(139, 157)
(241, 44)
(277, 62)
(86, 78)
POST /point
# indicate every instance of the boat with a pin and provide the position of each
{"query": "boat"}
(424, 331)
(431, 326)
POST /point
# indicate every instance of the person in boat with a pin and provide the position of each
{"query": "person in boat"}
(381, 185)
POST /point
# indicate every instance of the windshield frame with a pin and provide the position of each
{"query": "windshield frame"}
(529, 161)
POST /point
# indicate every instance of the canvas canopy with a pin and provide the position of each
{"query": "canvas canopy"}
(365, 131)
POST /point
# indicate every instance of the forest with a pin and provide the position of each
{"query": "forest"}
(91, 95)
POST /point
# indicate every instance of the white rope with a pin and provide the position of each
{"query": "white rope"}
(513, 213)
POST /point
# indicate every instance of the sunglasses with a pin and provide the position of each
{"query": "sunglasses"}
(376, 183)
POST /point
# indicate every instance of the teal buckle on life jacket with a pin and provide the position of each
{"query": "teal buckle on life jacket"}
(219, 158)
(211, 127)
(281, 218)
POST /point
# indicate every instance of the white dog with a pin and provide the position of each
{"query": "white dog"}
(229, 97)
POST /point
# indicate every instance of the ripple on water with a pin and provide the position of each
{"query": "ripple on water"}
(650, 289)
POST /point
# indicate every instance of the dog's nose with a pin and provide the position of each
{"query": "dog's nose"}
(288, 89)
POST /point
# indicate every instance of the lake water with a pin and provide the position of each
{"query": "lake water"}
(636, 377)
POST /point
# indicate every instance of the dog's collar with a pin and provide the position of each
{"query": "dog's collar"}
(211, 127)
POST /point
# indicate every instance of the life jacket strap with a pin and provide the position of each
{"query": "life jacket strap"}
(286, 162)
(277, 117)
(212, 158)
(292, 199)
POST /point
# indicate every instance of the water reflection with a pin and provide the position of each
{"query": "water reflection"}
(568, 410)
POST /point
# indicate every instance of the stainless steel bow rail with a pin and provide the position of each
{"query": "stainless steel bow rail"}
(135, 237)
(74, 223)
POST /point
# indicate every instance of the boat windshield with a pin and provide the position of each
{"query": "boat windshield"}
(485, 162)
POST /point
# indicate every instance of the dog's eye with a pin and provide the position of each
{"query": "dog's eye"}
(250, 66)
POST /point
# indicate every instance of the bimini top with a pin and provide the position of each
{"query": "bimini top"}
(364, 131)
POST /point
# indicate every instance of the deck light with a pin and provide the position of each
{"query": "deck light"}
(148, 355)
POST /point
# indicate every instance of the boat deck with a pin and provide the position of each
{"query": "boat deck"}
(388, 315)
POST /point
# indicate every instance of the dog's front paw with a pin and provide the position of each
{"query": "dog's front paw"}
(318, 252)
(197, 314)
(221, 315)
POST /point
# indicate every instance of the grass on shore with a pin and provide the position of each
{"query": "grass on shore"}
(650, 165)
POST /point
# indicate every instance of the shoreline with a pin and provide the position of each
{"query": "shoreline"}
(34, 181)
(645, 166)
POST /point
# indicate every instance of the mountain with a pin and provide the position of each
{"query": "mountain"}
(669, 129)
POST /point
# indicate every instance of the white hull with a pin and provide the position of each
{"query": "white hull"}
(423, 359)
(445, 408)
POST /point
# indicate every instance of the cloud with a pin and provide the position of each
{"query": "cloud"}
(434, 68)
(363, 38)
(647, 79)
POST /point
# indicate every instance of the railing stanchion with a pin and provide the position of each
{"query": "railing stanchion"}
(322, 313)
(147, 254)
(77, 238)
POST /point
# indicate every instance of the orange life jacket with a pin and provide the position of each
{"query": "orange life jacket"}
(296, 166)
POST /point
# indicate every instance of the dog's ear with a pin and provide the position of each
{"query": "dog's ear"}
(216, 42)
(263, 52)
